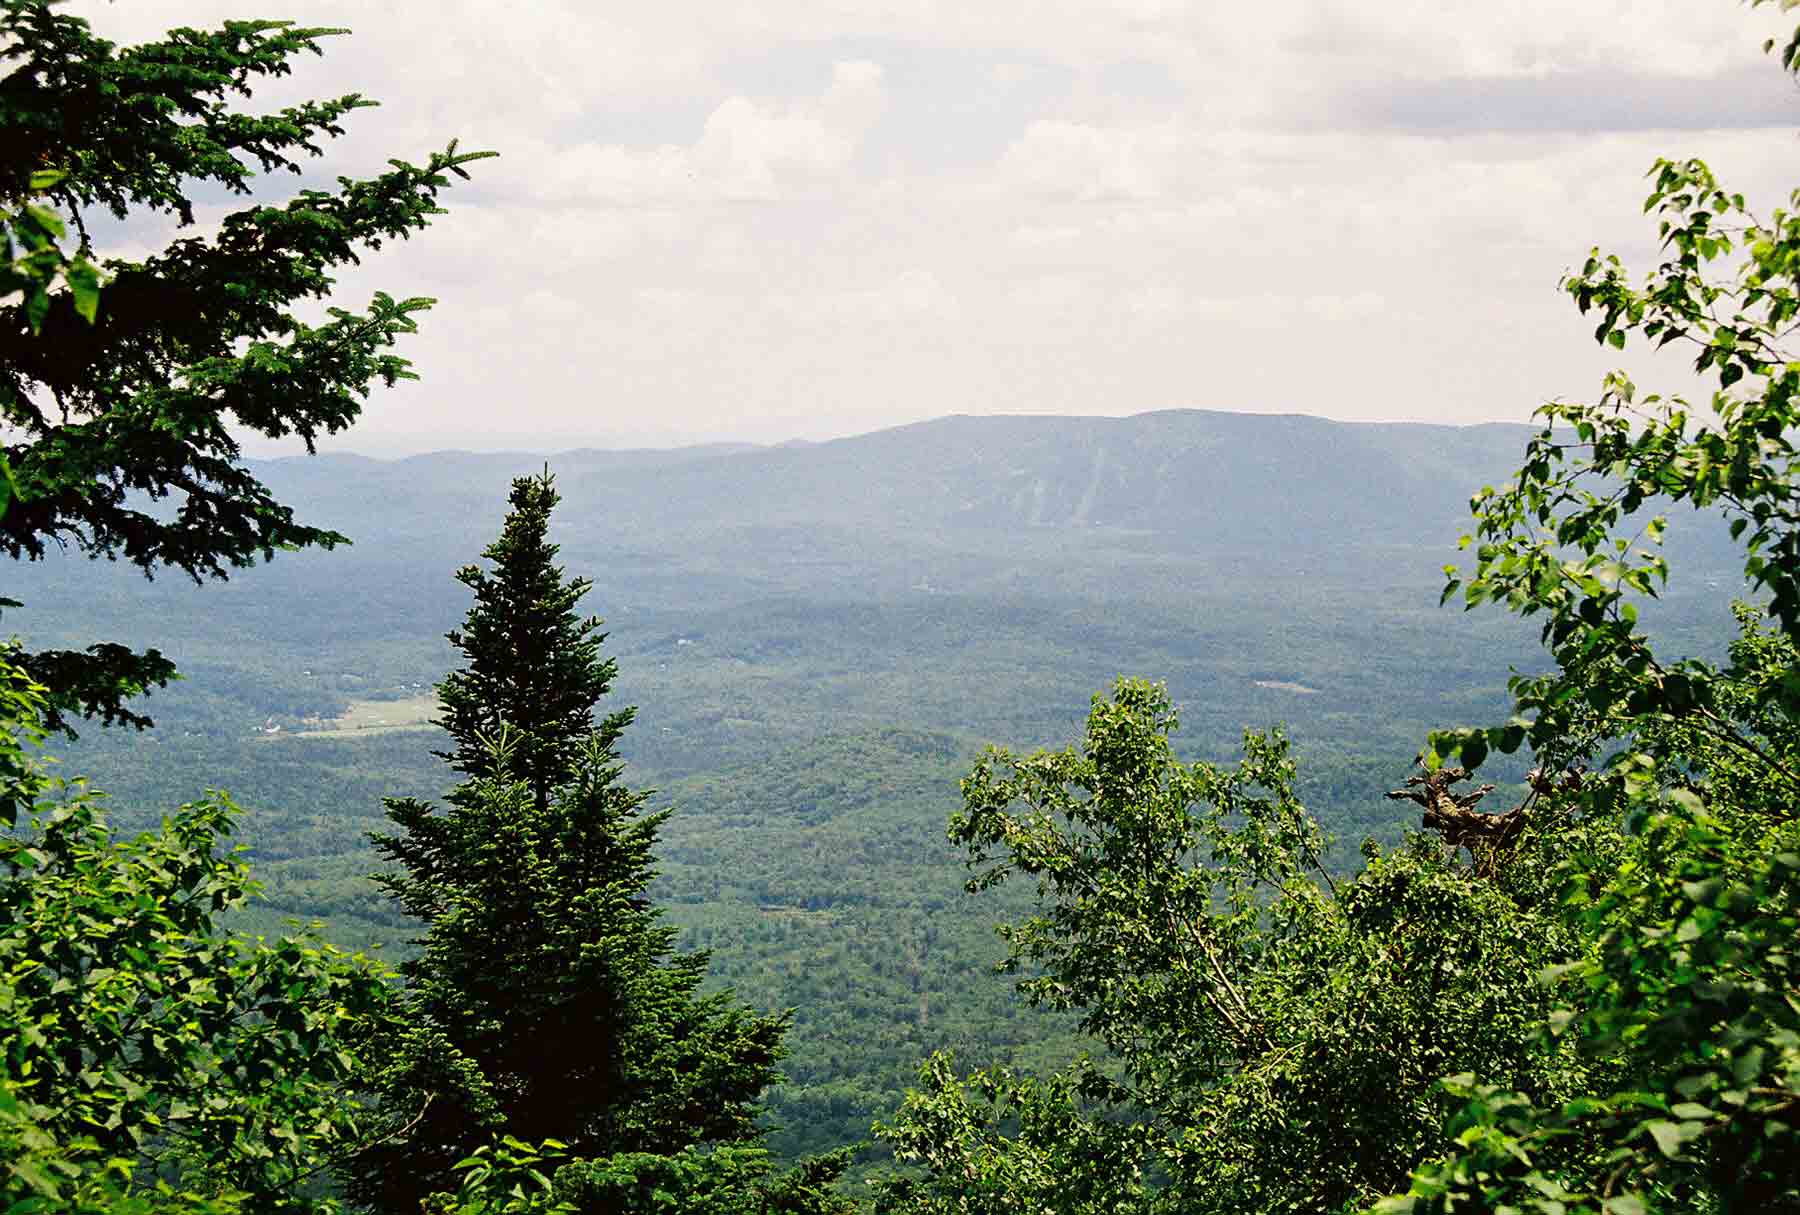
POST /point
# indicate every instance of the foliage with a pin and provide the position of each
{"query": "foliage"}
(124, 393)
(730, 1180)
(510, 1177)
(1687, 990)
(36, 264)
(144, 1048)
(533, 664)
(999, 1140)
(547, 1001)
(1273, 1034)
(505, 1177)
(72, 1179)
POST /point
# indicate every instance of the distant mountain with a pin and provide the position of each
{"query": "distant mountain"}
(1194, 478)
(819, 637)
(1174, 508)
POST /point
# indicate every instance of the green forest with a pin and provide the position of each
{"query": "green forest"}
(1060, 822)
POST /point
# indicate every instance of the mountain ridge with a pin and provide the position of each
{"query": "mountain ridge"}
(1272, 476)
(737, 447)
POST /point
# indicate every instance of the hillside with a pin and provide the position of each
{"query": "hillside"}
(819, 639)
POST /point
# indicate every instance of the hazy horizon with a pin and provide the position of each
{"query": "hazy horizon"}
(549, 446)
(787, 219)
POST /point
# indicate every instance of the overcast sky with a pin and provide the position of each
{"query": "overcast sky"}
(773, 219)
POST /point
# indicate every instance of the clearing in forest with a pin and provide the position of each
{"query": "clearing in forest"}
(375, 716)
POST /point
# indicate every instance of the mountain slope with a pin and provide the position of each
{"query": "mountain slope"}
(818, 638)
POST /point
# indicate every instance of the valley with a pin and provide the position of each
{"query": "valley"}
(819, 640)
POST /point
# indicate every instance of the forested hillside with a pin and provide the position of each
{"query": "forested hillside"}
(815, 666)
(819, 640)
(1081, 811)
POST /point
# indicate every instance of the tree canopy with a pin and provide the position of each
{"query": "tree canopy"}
(1586, 1003)
(125, 384)
(534, 664)
(1271, 1035)
(1582, 1005)
(149, 1057)
(548, 1001)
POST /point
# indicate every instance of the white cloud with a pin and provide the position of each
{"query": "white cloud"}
(1089, 163)
(746, 150)
(750, 152)
(1422, 38)
(1361, 306)
(807, 217)
(1036, 236)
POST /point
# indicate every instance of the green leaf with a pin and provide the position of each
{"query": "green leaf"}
(37, 307)
(1668, 1137)
(1474, 751)
(1686, 799)
(84, 285)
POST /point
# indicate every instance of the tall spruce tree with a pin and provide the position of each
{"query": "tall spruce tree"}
(534, 664)
(548, 1001)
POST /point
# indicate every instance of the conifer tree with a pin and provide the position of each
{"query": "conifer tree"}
(548, 1001)
(128, 381)
(534, 664)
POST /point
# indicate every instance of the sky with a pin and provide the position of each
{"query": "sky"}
(764, 220)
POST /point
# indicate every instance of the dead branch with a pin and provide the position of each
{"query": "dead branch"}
(1456, 820)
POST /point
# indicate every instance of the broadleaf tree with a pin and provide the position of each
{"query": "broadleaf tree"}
(152, 1059)
(1629, 1041)
(125, 382)
(1269, 1035)
(1689, 986)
